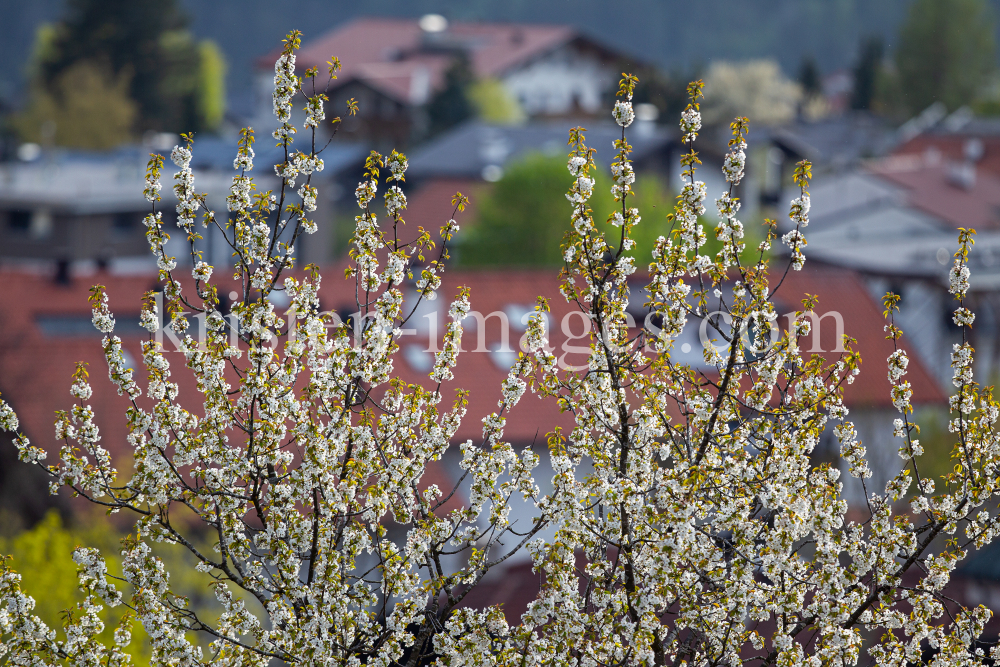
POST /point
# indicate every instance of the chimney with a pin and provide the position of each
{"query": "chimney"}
(962, 175)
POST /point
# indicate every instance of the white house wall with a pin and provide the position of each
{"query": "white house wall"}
(560, 82)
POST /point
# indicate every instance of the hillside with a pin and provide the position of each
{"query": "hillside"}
(677, 34)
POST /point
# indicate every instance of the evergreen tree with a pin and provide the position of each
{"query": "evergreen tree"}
(866, 72)
(450, 106)
(809, 77)
(946, 52)
(146, 45)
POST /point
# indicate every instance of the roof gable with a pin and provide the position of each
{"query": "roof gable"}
(389, 52)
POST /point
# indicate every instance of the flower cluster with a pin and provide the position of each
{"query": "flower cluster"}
(958, 275)
(396, 163)
(958, 278)
(795, 240)
(690, 124)
(365, 192)
(799, 211)
(799, 215)
(445, 360)
(245, 153)
(285, 85)
(153, 186)
(8, 419)
(897, 362)
(623, 173)
(735, 162)
(623, 113)
(102, 318)
(240, 194)
(202, 271)
(963, 317)
(308, 194)
(149, 317)
(288, 172)
(961, 364)
(730, 229)
(395, 200)
(187, 200)
(307, 164)
(315, 113)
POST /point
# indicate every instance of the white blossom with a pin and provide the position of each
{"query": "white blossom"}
(623, 113)
(690, 125)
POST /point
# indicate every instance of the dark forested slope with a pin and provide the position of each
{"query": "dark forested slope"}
(677, 34)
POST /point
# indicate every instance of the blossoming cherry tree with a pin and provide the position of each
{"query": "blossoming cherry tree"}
(688, 523)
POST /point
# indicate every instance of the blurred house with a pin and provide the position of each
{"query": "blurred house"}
(960, 139)
(477, 151)
(73, 208)
(833, 144)
(472, 156)
(895, 222)
(393, 67)
(76, 209)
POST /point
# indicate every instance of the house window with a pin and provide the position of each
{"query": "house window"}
(123, 223)
(19, 221)
(37, 223)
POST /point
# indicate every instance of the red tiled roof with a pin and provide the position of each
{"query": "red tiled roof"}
(951, 148)
(35, 368)
(401, 80)
(841, 290)
(481, 373)
(387, 53)
(931, 189)
(430, 205)
(514, 588)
